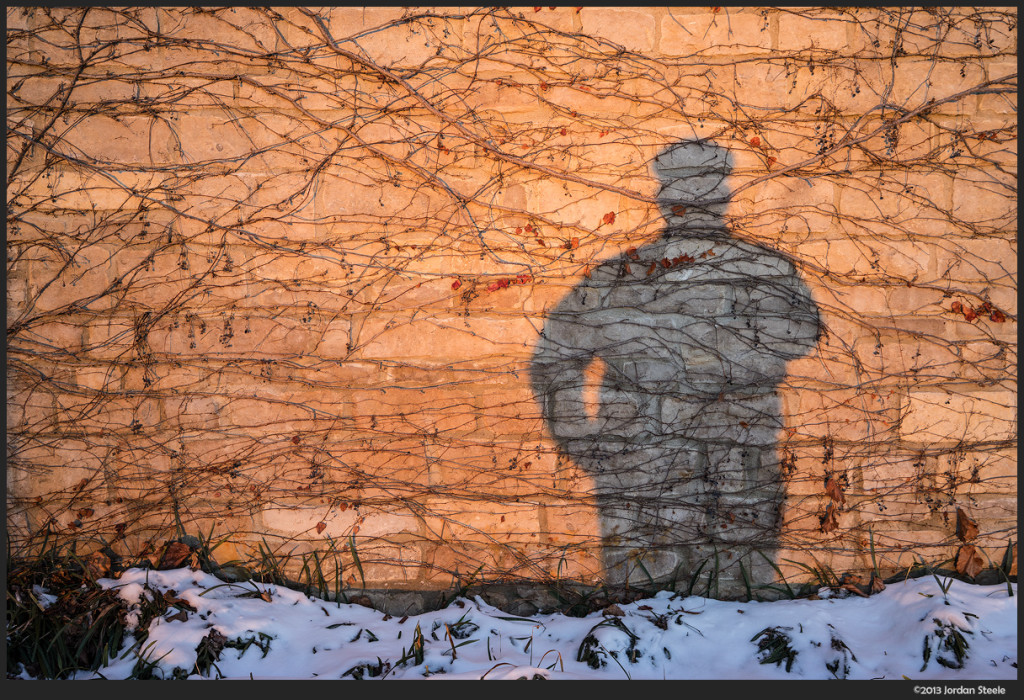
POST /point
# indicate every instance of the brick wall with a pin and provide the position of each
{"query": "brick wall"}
(282, 276)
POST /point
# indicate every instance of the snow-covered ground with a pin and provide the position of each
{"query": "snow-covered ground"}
(912, 629)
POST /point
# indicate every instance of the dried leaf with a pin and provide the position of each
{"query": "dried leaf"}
(609, 218)
(876, 585)
(320, 527)
(834, 491)
(613, 610)
(852, 588)
(966, 529)
(968, 561)
(175, 554)
(829, 522)
(98, 564)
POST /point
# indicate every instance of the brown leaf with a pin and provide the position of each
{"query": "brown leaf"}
(876, 585)
(180, 616)
(829, 522)
(98, 564)
(320, 527)
(966, 529)
(968, 561)
(613, 610)
(175, 554)
(608, 218)
(852, 588)
(834, 491)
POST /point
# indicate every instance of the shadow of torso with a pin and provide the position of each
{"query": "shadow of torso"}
(690, 336)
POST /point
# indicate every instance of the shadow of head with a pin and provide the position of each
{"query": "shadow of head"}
(694, 179)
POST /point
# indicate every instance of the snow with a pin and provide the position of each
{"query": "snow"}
(668, 636)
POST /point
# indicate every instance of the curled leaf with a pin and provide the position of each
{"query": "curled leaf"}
(834, 491)
(966, 529)
(829, 522)
(968, 561)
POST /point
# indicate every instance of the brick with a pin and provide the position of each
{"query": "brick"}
(397, 46)
(917, 80)
(413, 411)
(715, 34)
(842, 414)
(228, 335)
(445, 340)
(934, 417)
(68, 466)
(977, 473)
(800, 32)
(302, 519)
(122, 142)
(632, 29)
(984, 202)
(490, 470)
(464, 521)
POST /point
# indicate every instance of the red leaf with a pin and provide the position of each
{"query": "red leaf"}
(609, 218)
(543, 86)
(997, 316)
(678, 210)
(970, 314)
(563, 132)
(320, 527)
(343, 507)
(492, 287)
(756, 141)
(628, 269)
(541, 242)
(666, 263)
(631, 254)
(529, 228)
(956, 307)
(456, 284)
(771, 161)
(503, 283)
(296, 440)
(536, 9)
(574, 243)
(652, 268)
(519, 229)
(716, 10)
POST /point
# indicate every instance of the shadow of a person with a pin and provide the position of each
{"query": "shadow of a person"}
(686, 340)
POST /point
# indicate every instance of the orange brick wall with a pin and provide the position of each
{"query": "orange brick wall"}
(280, 275)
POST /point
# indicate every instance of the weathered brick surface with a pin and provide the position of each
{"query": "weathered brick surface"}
(288, 280)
